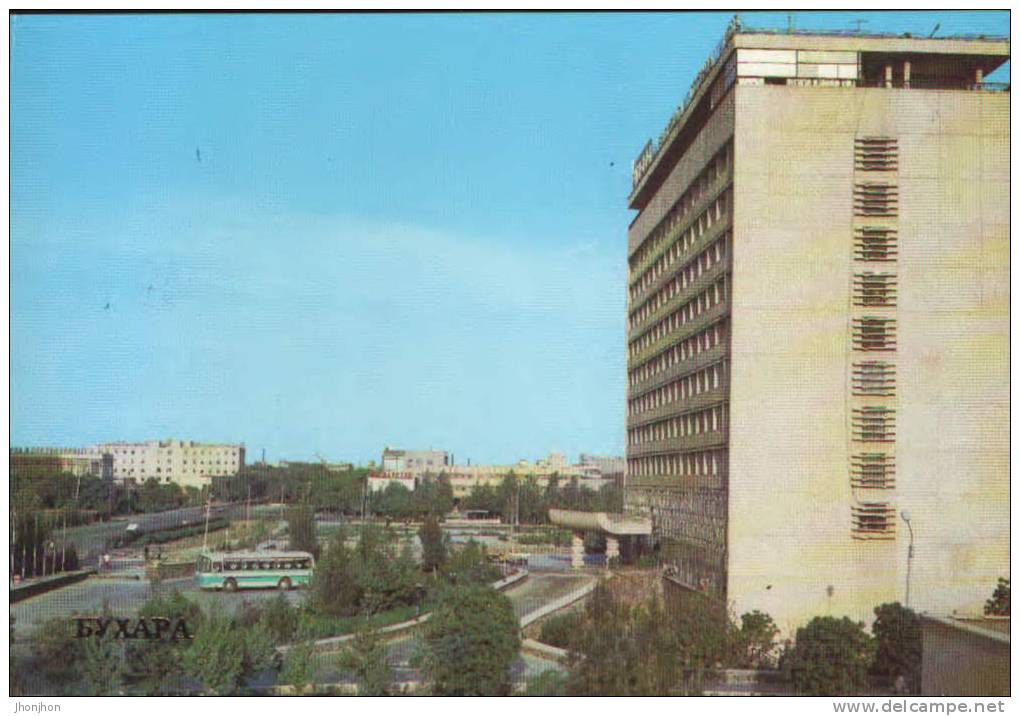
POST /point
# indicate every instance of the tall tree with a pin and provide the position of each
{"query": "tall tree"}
(897, 632)
(830, 658)
(367, 657)
(433, 544)
(301, 529)
(470, 643)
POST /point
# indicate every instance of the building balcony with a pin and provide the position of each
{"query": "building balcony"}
(696, 286)
(687, 330)
(691, 365)
(688, 443)
(687, 405)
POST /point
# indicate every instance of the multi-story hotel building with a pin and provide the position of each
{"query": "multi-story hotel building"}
(182, 461)
(819, 324)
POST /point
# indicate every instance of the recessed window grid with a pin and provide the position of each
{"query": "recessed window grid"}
(677, 391)
(874, 378)
(709, 420)
(873, 520)
(875, 244)
(680, 211)
(712, 296)
(874, 334)
(873, 424)
(874, 289)
(875, 471)
(876, 154)
(683, 464)
(687, 349)
(876, 199)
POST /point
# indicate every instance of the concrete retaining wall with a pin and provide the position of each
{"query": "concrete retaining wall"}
(48, 584)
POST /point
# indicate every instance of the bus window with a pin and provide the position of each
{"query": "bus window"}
(302, 564)
(263, 565)
(218, 567)
(251, 565)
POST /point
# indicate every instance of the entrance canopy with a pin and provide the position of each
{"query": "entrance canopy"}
(615, 524)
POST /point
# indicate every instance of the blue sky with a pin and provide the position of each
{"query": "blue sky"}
(328, 234)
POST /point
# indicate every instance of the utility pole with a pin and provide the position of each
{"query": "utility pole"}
(208, 509)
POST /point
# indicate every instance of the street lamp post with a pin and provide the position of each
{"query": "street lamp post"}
(910, 552)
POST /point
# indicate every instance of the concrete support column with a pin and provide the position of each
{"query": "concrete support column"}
(906, 74)
(612, 548)
(577, 551)
(888, 75)
(979, 76)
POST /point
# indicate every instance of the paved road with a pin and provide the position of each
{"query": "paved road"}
(92, 540)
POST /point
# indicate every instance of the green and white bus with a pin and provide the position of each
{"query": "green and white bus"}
(231, 571)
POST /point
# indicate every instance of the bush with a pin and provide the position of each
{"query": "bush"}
(998, 605)
(558, 629)
(757, 639)
(280, 620)
(470, 643)
(549, 683)
(830, 658)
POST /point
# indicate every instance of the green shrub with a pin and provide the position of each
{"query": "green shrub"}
(558, 629)
(830, 658)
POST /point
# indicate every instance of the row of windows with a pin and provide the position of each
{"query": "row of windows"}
(711, 296)
(682, 246)
(705, 260)
(717, 166)
(709, 463)
(688, 348)
(250, 565)
(709, 420)
(695, 383)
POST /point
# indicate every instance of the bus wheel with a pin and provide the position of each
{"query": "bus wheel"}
(230, 585)
(284, 584)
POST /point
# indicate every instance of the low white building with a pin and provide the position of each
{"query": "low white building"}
(185, 462)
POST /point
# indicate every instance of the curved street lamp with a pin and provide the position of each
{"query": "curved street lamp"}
(910, 552)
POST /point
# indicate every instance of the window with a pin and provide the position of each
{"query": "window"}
(872, 243)
(873, 424)
(873, 471)
(876, 154)
(874, 289)
(873, 520)
(876, 199)
(874, 334)
(874, 377)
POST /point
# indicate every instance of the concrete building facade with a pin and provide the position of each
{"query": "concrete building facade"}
(818, 325)
(185, 462)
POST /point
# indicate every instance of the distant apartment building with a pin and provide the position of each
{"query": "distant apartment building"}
(37, 461)
(414, 462)
(409, 467)
(185, 462)
(818, 325)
